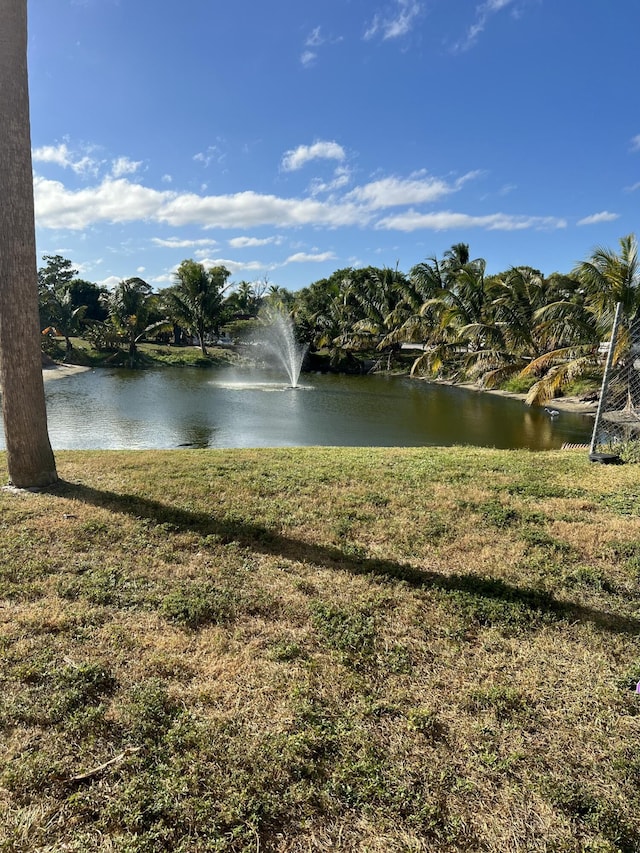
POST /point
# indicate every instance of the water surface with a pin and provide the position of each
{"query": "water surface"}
(173, 407)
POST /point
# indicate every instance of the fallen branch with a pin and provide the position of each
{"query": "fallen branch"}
(94, 772)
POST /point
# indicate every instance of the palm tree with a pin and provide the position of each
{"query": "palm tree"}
(611, 279)
(244, 301)
(577, 325)
(64, 317)
(197, 296)
(329, 322)
(374, 295)
(456, 257)
(130, 307)
(30, 459)
(278, 296)
(608, 278)
(416, 317)
(467, 300)
(511, 334)
(452, 320)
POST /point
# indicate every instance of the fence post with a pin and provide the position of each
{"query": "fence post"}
(605, 377)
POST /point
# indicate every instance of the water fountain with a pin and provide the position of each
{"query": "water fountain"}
(278, 340)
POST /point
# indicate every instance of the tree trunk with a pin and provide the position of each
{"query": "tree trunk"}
(29, 456)
(201, 336)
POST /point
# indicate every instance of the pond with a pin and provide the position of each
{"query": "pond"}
(191, 407)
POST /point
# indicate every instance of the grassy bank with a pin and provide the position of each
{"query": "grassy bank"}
(149, 355)
(318, 650)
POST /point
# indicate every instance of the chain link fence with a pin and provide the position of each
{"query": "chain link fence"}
(616, 431)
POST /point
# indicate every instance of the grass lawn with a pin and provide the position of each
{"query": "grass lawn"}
(149, 355)
(321, 650)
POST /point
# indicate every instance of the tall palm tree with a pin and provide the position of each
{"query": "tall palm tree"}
(455, 257)
(578, 325)
(610, 277)
(30, 459)
(374, 297)
(510, 333)
(458, 310)
(197, 296)
(466, 297)
(442, 307)
(416, 317)
(329, 323)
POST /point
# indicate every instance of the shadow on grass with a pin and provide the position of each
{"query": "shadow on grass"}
(262, 539)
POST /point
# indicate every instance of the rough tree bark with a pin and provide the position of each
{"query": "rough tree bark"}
(29, 456)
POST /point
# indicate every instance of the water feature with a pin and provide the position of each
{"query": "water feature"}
(173, 407)
(277, 339)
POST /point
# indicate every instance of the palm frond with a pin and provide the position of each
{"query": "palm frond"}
(551, 385)
(494, 378)
(553, 357)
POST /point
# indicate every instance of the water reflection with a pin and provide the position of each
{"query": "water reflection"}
(113, 409)
(198, 436)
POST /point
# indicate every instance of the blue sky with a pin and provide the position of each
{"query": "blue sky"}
(287, 140)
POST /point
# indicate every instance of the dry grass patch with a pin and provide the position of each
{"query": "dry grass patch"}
(320, 649)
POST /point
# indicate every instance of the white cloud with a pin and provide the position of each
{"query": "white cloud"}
(393, 192)
(597, 218)
(304, 258)
(483, 12)
(314, 39)
(635, 143)
(163, 278)
(61, 155)
(58, 154)
(124, 166)
(113, 200)
(177, 243)
(342, 177)
(212, 153)
(121, 200)
(167, 179)
(124, 201)
(253, 242)
(445, 220)
(249, 210)
(492, 6)
(303, 154)
(233, 266)
(110, 282)
(398, 23)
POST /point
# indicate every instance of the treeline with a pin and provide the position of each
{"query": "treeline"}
(193, 309)
(535, 332)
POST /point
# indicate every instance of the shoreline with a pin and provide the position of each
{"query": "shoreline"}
(562, 404)
(55, 370)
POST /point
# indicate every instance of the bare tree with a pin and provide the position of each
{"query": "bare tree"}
(29, 456)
